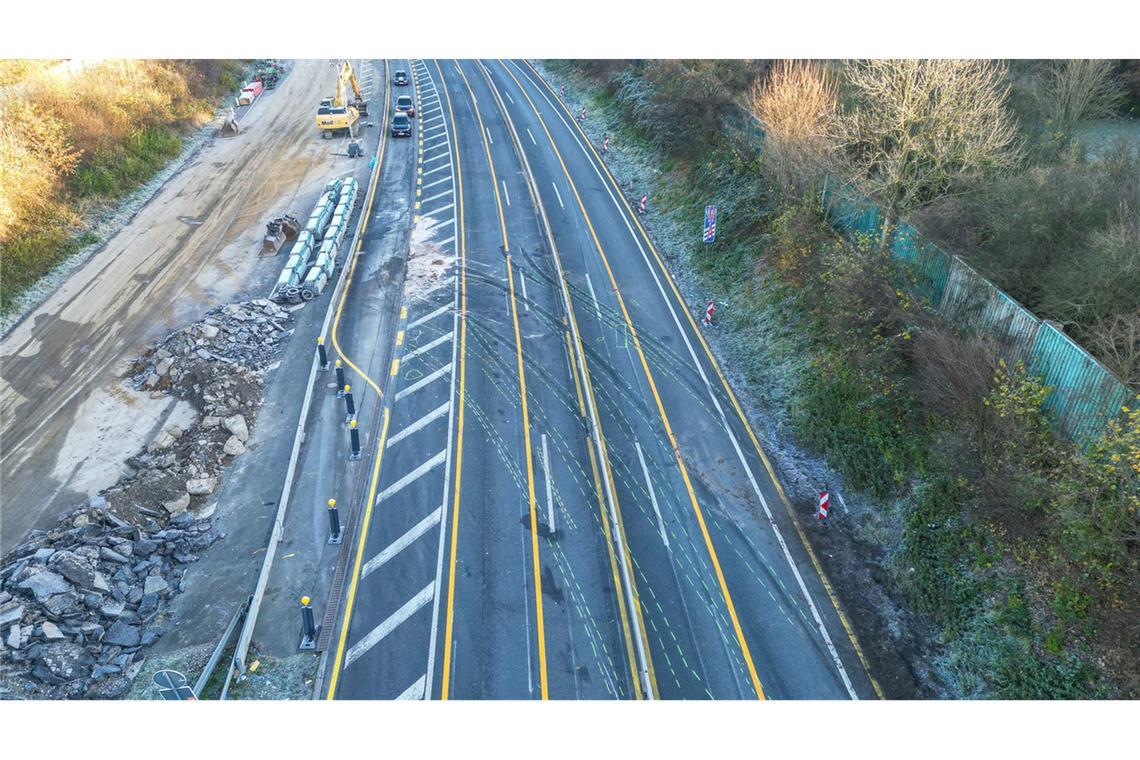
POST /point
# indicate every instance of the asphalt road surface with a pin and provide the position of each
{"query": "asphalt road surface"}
(564, 500)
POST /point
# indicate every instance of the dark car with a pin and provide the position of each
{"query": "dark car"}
(404, 103)
(401, 125)
(400, 78)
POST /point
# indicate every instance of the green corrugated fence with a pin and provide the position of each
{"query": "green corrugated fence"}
(1085, 395)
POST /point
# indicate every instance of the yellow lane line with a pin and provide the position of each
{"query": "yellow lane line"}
(359, 243)
(541, 633)
(359, 558)
(446, 683)
(660, 407)
(630, 656)
(732, 397)
(635, 599)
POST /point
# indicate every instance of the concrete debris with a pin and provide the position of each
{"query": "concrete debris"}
(81, 602)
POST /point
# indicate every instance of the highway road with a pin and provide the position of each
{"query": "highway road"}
(564, 500)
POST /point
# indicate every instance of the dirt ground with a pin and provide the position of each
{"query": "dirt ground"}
(67, 421)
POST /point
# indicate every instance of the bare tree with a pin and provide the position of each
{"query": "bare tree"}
(798, 107)
(917, 128)
(1082, 89)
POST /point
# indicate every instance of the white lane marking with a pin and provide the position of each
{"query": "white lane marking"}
(439, 168)
(436, 182)
(623, 212)
(412, 477)
(508, 195)
(394, 620)
(437, 196)
(442, 243)
(415, 691)
(445, 154)
(426, 129)
(441, 222)
(419, 424)
(549, 494)
(526, 300)
(442, 138)
(426, 347)
(428, 317)
(491, 139)
(531, 136)
(652, 495)
(425, 381)
(560, 203)
(401, 543)
(594, 298)
(451, 438)
(425, 122)
(505, 93)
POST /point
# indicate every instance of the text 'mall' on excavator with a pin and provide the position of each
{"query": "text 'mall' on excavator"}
(337, 115)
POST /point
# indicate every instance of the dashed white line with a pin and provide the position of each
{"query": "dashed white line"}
(508, 195)
(428, 380)
(559, 195)
(439, 168)
(437, 196)
(594, 297)
(376, 635)
(492, 139)
(531, 136)
(419, 424)
(428, 317)
(445, 154)
(526, 300)
(415, 691)
(412, 476)
(436, 182)
(426, 347)
(652, 495)
(401, 543)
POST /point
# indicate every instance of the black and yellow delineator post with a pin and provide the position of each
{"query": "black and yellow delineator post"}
(349, 405)
(309, 628)
(322, 353)
(339, 379)
(335, 535)
(354, 436)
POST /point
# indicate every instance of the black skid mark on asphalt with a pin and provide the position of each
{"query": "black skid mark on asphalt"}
(550, 588)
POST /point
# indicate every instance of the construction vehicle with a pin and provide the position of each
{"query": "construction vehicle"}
(337, 115)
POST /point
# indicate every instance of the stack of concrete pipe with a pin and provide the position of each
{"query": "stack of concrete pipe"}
(304, 277)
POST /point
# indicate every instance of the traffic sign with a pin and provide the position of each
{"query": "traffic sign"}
(172, 686)
(710, 224)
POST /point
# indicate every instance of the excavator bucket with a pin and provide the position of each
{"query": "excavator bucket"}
(290, 226)
(278, 231)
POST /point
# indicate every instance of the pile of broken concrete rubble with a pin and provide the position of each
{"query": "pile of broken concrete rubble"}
(81, 602)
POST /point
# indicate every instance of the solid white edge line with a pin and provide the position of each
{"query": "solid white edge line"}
(652, 495)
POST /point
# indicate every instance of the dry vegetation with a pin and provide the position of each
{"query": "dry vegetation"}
(76, 135)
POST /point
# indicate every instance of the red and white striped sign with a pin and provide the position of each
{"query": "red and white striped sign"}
(710, 309)
(644, 202)
(824, 504)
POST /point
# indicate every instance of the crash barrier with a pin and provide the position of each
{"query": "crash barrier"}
(313, 258)
(1084, 395)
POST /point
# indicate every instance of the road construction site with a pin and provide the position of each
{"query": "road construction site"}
(494, 458)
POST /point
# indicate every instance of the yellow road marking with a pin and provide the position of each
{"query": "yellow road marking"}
(395, 367)
(359, 243)
(403, 312)
(541, 633)
(660, 408)
(627, 557)
(359, 558)
(400, 338)
(574, 374)
(736, 405)
(632, 659)
(446, 675)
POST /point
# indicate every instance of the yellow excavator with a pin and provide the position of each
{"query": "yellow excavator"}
(337, 114)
